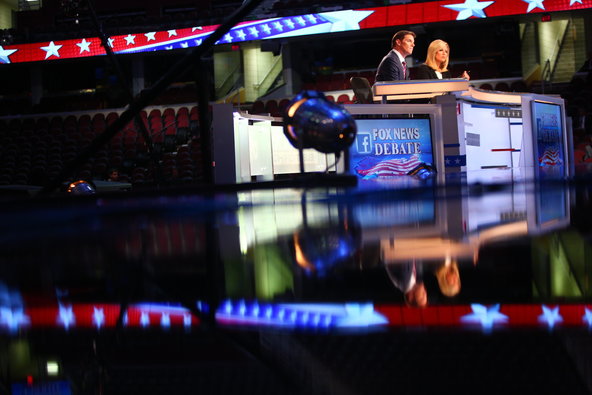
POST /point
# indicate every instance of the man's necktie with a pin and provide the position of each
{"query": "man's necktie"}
(404, 70)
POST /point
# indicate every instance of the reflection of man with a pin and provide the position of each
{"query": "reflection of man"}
(408, 278)
(393, 66)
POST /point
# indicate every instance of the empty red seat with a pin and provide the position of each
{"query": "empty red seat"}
(183, 111)
(502, 86)
(283, 104)
(111, 117)
(343, 99)
(258, 107)
(194, 114)
(154, 113)
(271, 107)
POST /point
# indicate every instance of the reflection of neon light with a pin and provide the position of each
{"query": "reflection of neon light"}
(297, 316)
(550, 316)
(349, 315)
(98, 317)
(144, 319)
(165, 321)
(587, 318)
(66, 316)
(485, 316)
(187, 320)
(13, 318)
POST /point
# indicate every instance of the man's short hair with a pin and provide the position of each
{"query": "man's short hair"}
(400, 35)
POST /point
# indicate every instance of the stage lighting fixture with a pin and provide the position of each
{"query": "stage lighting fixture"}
(321, 249)
(81, 187)
(423, 171)
(312, 121)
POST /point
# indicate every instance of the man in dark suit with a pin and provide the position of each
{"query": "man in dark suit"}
(408, 278)
(393, 66)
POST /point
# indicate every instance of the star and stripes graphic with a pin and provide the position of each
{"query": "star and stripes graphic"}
(550, 157)
(152, 315)
(186, 37)
(289, 26)
(391, 167)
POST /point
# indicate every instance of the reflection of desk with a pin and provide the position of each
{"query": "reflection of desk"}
(416, 89)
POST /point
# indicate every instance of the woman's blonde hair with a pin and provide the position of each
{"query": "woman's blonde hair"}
(447, 288)
(431, 57)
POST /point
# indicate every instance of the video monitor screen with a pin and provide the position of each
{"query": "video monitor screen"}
(390, 147)
(549, 135)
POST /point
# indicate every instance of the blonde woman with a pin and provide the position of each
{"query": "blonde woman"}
(448, 277)
(436, 64)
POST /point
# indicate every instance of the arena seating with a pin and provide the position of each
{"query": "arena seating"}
(35, 149)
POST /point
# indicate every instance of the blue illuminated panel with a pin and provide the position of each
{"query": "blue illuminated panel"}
(547, 123)
(390, 147)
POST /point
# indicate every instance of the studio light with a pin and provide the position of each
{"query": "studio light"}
(312, 121)
(81, 187)
(52, 368)
(423, 171)
(321, 250)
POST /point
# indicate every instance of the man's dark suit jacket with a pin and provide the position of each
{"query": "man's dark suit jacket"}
(390, 68)
(425, 72)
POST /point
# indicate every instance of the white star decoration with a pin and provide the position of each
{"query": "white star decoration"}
(254, 32)
(84, 45)
(532, 4)
(5, 53)
(346, 20)
(150, 36)
(550, 316)
(470, 8)
(311, 18)
(110, 41)
(240, 34)
(587, 318)
(129, 39)
(278, 26)
(52, 49)
(172, 33)
(299, 20)
(572, 2)
(486, 316)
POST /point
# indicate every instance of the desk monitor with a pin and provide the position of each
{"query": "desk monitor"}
(393, 140)
(551, 164)
(549, 137)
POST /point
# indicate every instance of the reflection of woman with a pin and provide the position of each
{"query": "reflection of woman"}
(436, 64)
(448, 278)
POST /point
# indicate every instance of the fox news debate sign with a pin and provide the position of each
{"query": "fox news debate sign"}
(390, 147)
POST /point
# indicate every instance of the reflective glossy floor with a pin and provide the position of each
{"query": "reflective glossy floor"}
(477, 284)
